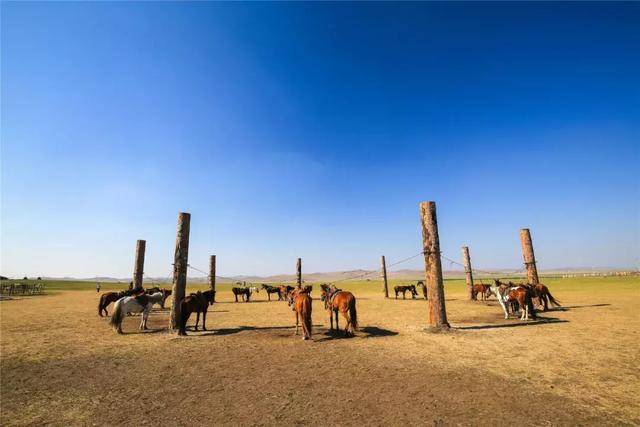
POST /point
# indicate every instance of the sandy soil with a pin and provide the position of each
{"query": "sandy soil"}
(62, 364)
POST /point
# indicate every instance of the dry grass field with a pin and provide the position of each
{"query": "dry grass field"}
(62, 364)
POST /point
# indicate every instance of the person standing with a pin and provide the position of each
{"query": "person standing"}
(98, 287)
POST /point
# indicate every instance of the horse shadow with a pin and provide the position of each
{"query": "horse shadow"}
(540, 321)
(571, 307)
(231, 331)
(364, 332)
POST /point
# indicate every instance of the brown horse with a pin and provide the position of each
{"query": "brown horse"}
(301, 302)
(544, 296)
(109, 297)
(284, 291)
(336, 300)
(480, 289)
(198, 302)
(524, 296)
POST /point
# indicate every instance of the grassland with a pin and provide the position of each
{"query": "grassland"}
(61, 364)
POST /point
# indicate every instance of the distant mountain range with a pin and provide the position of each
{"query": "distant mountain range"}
(350, 275)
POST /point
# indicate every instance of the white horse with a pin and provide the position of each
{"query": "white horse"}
(502, 298)
(135, 304)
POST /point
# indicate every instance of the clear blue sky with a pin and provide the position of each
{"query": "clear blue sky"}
(314, 130)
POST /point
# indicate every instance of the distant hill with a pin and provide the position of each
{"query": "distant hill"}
(409, 275)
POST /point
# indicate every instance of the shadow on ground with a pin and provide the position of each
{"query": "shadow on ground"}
(539, 322)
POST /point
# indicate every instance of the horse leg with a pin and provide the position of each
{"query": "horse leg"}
(347, 321)
(336, 314)
(331, 320)
(297, 321)
(197, 320)
(204, 319)
(236, 295)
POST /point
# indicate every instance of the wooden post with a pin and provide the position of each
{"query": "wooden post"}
(212, 275)
(138, 268)
(299, 273)
(529, 257)
(433, 266)
(384, 277)
(466, 260)
(180, 261)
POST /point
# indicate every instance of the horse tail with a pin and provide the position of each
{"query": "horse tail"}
(353, 314)
(100, 301)
(116, 317)
(553, 300)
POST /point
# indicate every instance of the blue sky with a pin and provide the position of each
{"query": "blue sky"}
(314, 130)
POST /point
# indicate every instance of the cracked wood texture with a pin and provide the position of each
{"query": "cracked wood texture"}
(433, 266)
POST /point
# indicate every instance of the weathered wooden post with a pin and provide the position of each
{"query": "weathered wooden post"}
(299, 273)
(212, 275)
(180, 262)
(138, 268)
(466, 260)
(529, 257)
(384, 277)
(433, 266)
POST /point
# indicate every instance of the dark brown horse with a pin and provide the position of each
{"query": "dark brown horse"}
(109, 297)
(198, 303)
(301, 302)
(272, 290)
(336, 300)
(542, 294)
(404, 289)
(245, 293)
(284, 290)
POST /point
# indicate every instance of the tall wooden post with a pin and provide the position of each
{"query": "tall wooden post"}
(433, 266)
(180, 261)
(212, 275)
(384, 277)
(466, 260)
(529, 257)
(299, 273)
(138, 268)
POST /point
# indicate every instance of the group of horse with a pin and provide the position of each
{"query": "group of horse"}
(336, 301)
(514, 297)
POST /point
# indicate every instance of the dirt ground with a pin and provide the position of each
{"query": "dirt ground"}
(61, 364)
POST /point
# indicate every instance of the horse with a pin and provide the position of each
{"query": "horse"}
(198, 302)
(272, 290)
(285, 289)
(301, 302)
(404, 289)
(165, 292)
(244, 292)
(133, 304)
(480, 289)
(509, 293)
(336, 300)
(109, 297)
(543, 295)
(425, 293)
